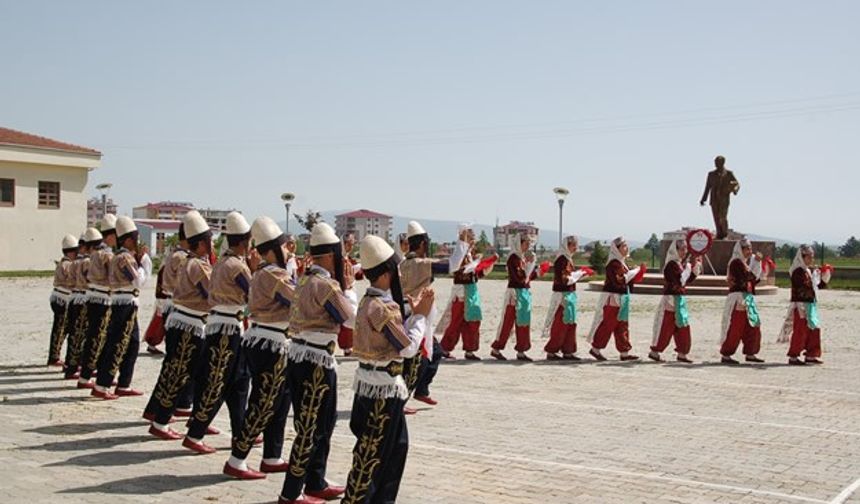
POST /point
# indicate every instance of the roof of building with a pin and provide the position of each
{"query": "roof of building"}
(517, 225)
(19, 138)
(363, 213)
(167, 205)
(159, 224)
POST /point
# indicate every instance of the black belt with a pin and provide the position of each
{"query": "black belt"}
(328, 348)
(269, 328)
(393, 368)
(201, 318)
(100, 291)
(134, 292)
(239, 315)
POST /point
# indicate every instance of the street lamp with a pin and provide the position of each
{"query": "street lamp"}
(560, 193)
(104, 189)
(287, 198)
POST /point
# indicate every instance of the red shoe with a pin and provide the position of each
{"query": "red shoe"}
(87, 385)
(274, 468)
(106, 396)
(72, 377)
(302, 499)
(166, 435)
(57, 363)
(127, 392)
(331, 492)
(409, 411)
(427, 400)
(201, 448)
(182, 413)
(247, 474)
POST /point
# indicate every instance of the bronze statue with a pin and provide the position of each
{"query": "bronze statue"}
(720, 186)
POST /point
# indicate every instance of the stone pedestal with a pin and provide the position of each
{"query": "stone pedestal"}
(721, 252)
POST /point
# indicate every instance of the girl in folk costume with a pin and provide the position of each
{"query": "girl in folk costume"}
(295, 266)
(186, 328)
(98, 298)
(462, 316)
(221, 376)
(383, 338)
(64, 282)
(264, 351)
(613, 307)
(560, 325)
(801, 325)
(351, 273)
(316, 316)
(741, 321)
(521, 266)
(130, 267)
(672, 318)
(77, 330)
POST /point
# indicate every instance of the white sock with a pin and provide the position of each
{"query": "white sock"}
(624, 354)
(237, 463)
(83, 381)
(195, 441)
(100, 388)
(273, 461)
(159, 426)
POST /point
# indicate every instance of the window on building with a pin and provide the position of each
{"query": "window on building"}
(49, 194)
(7, 192)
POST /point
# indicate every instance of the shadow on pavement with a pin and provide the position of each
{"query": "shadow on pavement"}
(119, 458)
(83, 428)
(90, 444)
(34, 390)
(17, 378)
(34, 401)
(150, 485)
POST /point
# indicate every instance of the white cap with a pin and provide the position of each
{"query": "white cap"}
(265, 230)
(374, 251)
(323, 234)
(414, 228)
(236, 224)
(92, 234)
(194, 224)
(82, 238)
(124, 225)
(108, 222)
(70, 242)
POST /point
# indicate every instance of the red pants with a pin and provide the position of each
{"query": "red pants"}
(804, 339)
(741, 330)
(524, 341)
(459, 326)
(610, 325)
(344, 338)
(561, 336)
(668, 330)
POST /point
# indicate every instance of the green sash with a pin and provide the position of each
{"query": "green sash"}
(569, 301)
(812, 315)
(524, 307)
(472, 302)
(682, 315)
(752, 310)
(624, 312)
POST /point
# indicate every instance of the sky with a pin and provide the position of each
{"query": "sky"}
(461, 110)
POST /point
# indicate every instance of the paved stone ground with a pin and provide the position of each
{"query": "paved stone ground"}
(503, 433)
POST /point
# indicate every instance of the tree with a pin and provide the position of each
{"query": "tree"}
(851, 248)
(217, 244)
(598, 258)
(823, 251)
(309, 220)
(483, 243)
(654, 246)
(786, 251)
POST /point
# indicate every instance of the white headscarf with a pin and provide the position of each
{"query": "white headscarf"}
(614, 253)
(564, 250)
(672, 254)
(738, 253)
(798, 261)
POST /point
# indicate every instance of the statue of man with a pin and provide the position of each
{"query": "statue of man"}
(720, 186)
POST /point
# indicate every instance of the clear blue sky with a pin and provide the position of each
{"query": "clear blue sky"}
(456, 110)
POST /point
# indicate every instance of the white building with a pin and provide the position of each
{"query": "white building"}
(42, 198)
(364, 222)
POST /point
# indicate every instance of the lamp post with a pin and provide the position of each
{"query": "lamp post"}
(287, 198)
(104, 189)
(560, 194)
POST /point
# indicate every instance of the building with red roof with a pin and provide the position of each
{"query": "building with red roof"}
(364, 222)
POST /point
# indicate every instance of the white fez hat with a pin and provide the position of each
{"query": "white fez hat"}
(236, 224)
(323, 234)
(194, 224)
(92, 234)
(414, 228)
(374, 251)
(108, 222)
(124, 225)
(70, 242)
(265, 230)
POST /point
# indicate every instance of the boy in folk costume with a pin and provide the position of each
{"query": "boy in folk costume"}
(351, 273)
(801, 325)
(98, 298)
(166, 280)
(462, 316)
(264, 348)
(613, 307)
(522, 269)
(186, 328)
(130, 267)
(560, 325)
(64, 282)
(77, 330)
(672, 318)
(221, 376)
(383, 338)
(416, 274)
(741, 321)
(319, 310)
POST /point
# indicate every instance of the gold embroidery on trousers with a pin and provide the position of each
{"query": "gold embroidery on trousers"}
(98, 345)
(306, 422)
(219, 359)
(176, 372)
(78, 337)
(260, 413)
(412, 377)
(122, 346)
(60, 335)
(366, 458)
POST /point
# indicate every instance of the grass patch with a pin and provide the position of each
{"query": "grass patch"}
(27, 274)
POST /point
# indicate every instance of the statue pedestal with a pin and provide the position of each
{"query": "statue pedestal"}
(721, 252)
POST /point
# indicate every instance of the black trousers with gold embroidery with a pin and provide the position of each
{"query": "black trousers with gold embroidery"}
(75, 326)
(222, 376)
(412, 370)
(313, 390)
(58, 332)
(185, 397)
(98, 317)
(268, 405)
(176, 371)
(121, 347)
(429, 368)
(379, 456)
